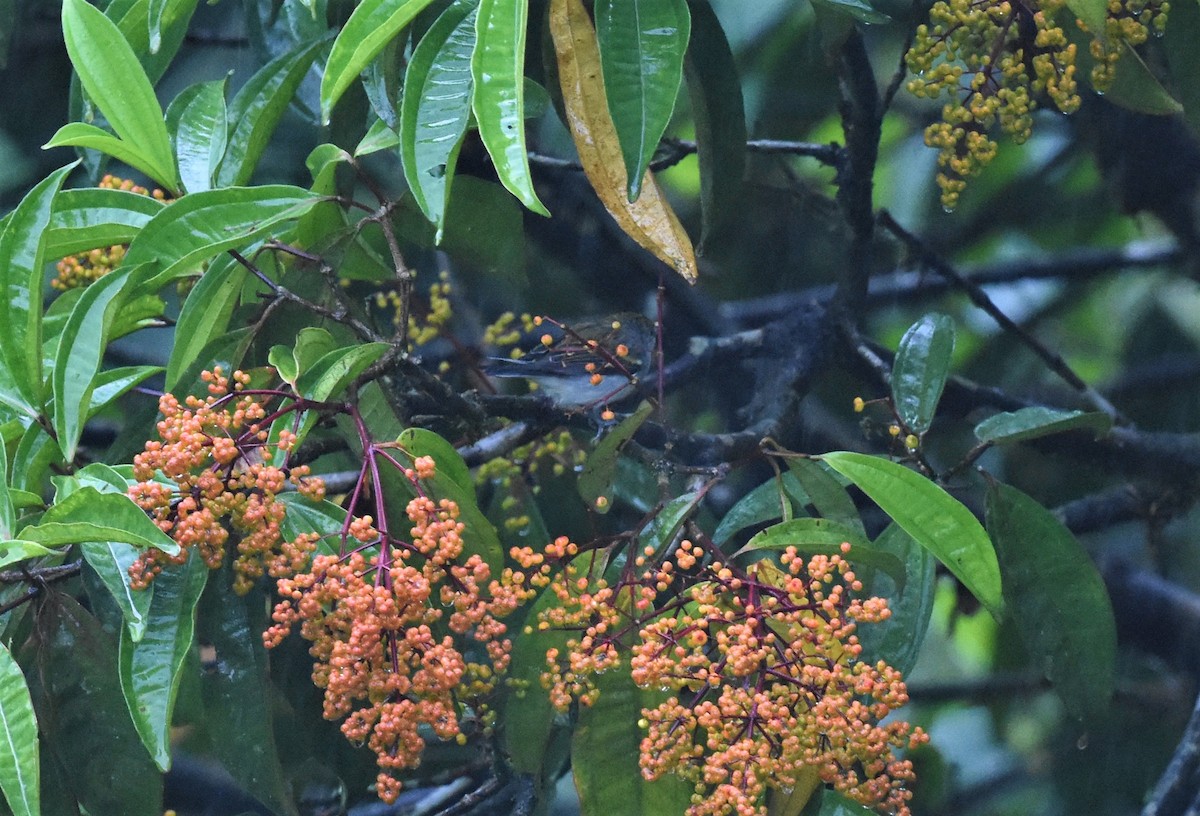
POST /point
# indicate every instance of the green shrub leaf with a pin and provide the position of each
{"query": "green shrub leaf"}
(19, 755)
(920, 369)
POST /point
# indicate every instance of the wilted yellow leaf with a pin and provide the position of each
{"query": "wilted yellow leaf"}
(650, 220)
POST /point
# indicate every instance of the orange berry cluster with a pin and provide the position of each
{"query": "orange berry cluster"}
(208, 478)
(79, 270)
(391, 623)
(765, 673)
(996, 59)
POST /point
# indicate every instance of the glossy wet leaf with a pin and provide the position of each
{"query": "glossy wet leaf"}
(649, 221)
(1057, 599)
(89, 515)
(450, 465)
(8, 514)
(1137, 88)
(205, 313)
(95, 217)
(15, 551)
(90, 137)
(662, 529)
(860, 10)
(379, 137)
(436, 107)
(1034, 422)
(114, 80)
(595, 483)
(920, 369)
(605, 749)
(81, 350)
(196, 227)
(85, 724)
(150, 667)
(720, 119)
(933, 517)
(111, 560)
(1092, 12)
(498, 70)
(818, 536)
(897, 640)
(20, 777)
(22, 258)
(200, 134)
(642, 43)
(373, 25)
(337, 369)
(825, 493)
(256, 110)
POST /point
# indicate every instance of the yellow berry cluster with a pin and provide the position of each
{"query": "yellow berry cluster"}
(391, 622)
(208, 478)
(515, 474)
(764, 665)
(507, 331)
(426, 324)
(79, 270)
(995, 59)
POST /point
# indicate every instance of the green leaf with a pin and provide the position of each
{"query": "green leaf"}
(111, 560)
(450, 465)
(818, 536)
(81, 134)
(18, 550)
(763, 503)
(95, 217)
(8, 513)
(306, 516)
(200, 134)
(110, 72)
(826, 493)
(373, 25)
(89, 515)
(436, 107)
(1056, 598)
(19, 755)
(860, 10)
(1092, 12)
(82, 715)
(933, 517)
(168, 15)
(642, 43)
(1031, 423)
(605, 750)
(205, 314)
(920, 369)
(196, 227)
(81, 349)
(720, 118)
(151, 667)
(1135, 87)
(661, 530)
(498, 67)
(897, 640)
(379, 137)
(237, 703)
(226, 350)
(256, 110)
(22, 257)
(337, 369)
(595, 481)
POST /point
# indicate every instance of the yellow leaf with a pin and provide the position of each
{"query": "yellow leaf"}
(650, 220)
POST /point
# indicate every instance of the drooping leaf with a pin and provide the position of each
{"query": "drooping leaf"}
(19, 755)
(897, 640)
(1035, 422)
(826, 493)
(110, 72)
(498, 69)
(436, 107)
(1057, 599)
(150, 667)
(642, 44)
(196, 227)
(81, 349)
(595, 481)
(649, 221)
(200, 133)
(82, 716)
(81, 134)
(605, 750)
(15, 551)
(90, 218)
(205, 314)
(920, 369)
(373, 25)
(22, 256)
(89, 515)
(111, 560)
(1137, 88)
(256, 110)
(933, 517)
(720, 118)
(818, 536)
